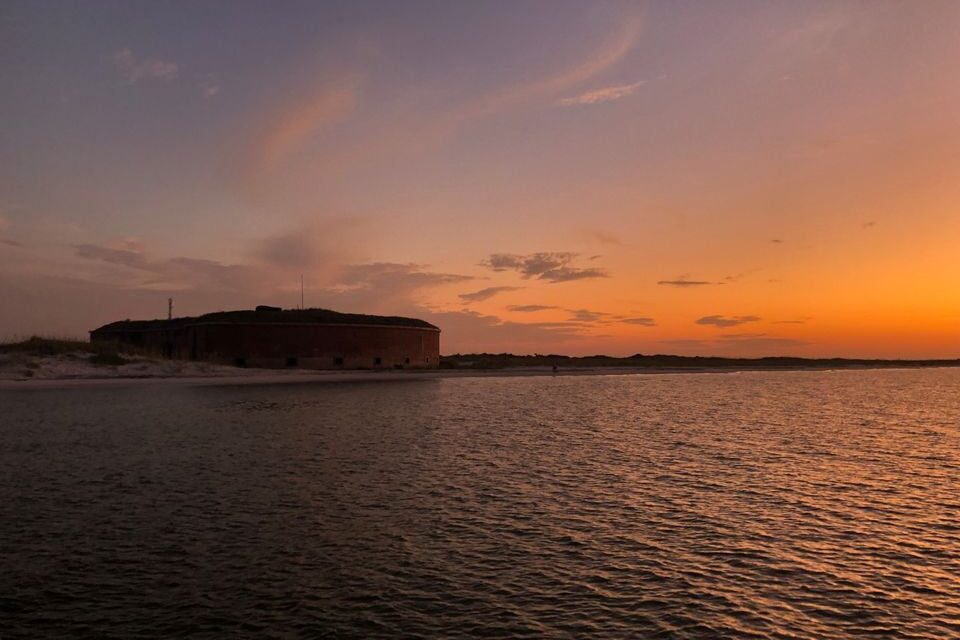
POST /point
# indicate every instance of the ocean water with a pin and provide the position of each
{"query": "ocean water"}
(750, 505)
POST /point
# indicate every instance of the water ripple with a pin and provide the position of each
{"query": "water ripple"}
(755, 505)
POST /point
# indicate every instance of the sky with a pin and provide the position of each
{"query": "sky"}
(701, 178)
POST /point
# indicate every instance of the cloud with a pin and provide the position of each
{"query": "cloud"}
(776, 241)
(173, 273)
(585, 315)
(551, 267)
(122, 257)
(604, 238)
(292, 125)
(602, 317)
(567, 274)
(134, 69)
(739, 276)
(424, 132)
(294, 250)
(385, 287)
(797, 321)
(820, 31)
(530, 308)
(272, 268)
(616, 46)
(317, 247)
(683, 282)
(870, 224)
(485, 294)
(209, 88)
(404, 275)
(721, 321)
(641, 321)
(606, 94)
(472, 332)
(5, 223)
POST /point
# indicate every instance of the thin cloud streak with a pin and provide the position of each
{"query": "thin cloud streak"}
(598, 96)
(616, 46)
(135, 69)
(551, 267)
(722, 321)
(641, 321)
(530, 308)
(485, 294)
(604, 237)
(684, 283)
(293, 125)
(418, 137)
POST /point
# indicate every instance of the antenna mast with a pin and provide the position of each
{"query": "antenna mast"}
(169, 308)
(301, 291)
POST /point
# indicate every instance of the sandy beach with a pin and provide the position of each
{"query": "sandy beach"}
(63, 372)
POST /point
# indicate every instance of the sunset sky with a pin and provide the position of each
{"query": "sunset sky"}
(733, 178)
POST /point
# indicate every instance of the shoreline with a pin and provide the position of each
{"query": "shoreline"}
(275, 376)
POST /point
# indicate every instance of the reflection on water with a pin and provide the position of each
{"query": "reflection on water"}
(765, 505)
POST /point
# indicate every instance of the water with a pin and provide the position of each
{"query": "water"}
(766, 505)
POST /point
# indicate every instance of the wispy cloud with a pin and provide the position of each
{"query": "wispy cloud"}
(683, 282)
(604, 237)
(173, 273)
(122, 257)
(400, 275)
(135, 69)
(723, 321)
(585, 315)
(530, 308)
(293, 124)
(616, 46)
(4, 224)
(469, 331)
(485, 294)
(820, 31)
(641, 321)
(209, 89)
(549, 266)
(421, 135)
(606, 94)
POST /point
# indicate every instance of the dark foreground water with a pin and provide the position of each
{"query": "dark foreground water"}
(768, 505)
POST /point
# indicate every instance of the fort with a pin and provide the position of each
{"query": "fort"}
(272, 337)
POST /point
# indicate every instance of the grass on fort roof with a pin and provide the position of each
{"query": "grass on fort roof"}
(277, 315)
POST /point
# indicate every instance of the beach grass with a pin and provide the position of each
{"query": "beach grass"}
(103, 352)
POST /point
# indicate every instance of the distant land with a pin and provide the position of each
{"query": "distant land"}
(661, 361)
(52, 359)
